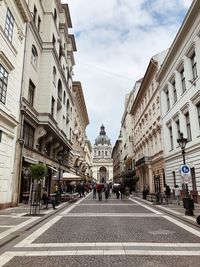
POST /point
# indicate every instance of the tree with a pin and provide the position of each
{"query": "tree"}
(38, 171)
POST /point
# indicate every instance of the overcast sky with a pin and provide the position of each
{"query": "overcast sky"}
(115, 40)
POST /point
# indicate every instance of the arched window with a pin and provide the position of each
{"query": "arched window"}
(60, 90)
(64, 98)
(34, 56)
(68, 106)
(54, 75)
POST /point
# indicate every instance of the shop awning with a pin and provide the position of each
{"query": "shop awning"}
(30, 160)
(53, 169)
(70, 176)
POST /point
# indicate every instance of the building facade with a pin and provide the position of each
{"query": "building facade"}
(50, 103)
(14, 15)
(147, 134)
(102, 164)
(180, 99)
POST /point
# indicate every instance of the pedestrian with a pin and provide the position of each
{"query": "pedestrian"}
(46, 200)
(99, 191)
(127, 192)
(168, 194)
(117, 192)
(107, 191)
(177, 194)
(94, 191)
(122, 191)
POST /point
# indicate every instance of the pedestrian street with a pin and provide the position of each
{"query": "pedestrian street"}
(113, 232)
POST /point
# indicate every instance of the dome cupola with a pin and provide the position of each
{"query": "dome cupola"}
(102, 139)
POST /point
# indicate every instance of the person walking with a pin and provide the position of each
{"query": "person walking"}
(107, 191)
(177, 194)
(168, 194)
(99, 191)
(94, 191)
(122, 191)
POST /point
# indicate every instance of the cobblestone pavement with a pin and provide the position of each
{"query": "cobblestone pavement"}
(114, 232)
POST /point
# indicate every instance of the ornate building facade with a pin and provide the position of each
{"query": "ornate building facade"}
(102, 167)
(14, 16)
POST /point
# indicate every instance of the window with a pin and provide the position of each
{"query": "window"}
(53, 40)
(34, 56)
(198, 113)
(194, 66)
(168, 101)
(105, 153)
(64, 98)
(99, 153)
(178, 128)
(52, 106)
(60, 90)
(3, 84)
(34, 14)
(193, 176)
(174, 90)
(39, 23)
(28, 135)
(54, 75)
(31, 92)
(188, 126)
(182, 72)
(55, 15)
(9, 25)
(174, 177)
(0, 135)
(171, 138)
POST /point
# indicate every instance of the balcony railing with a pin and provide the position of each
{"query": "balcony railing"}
(143, 160)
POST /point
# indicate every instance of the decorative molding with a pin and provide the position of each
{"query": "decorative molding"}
(20, 34)
(196, 98)
(185, 108)
(175, 117)
(6, 62)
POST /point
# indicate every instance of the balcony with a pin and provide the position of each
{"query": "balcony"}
(143, 160)
(128, 173)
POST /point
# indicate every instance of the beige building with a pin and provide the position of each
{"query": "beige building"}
(117, 161)
(102, 163)
(50, 104)
(180, 98)
(13, 18)
(147, 131)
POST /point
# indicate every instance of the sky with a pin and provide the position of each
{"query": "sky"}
(115, 40)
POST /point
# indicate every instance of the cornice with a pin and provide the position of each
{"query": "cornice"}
(24, 10)
(191, 16)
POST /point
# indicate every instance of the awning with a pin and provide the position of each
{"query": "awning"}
(70, 176)
(53, 169)
(30, 160)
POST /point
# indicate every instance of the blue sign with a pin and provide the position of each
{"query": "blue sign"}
(185, 171)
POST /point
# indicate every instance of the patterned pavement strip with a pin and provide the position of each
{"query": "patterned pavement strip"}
(27, 242)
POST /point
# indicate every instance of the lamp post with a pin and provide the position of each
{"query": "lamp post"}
(188, 203)
(157, 188)
(60, 160)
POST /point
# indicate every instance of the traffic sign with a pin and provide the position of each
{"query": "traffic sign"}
(185, 173)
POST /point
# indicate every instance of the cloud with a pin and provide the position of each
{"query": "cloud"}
(115, 41)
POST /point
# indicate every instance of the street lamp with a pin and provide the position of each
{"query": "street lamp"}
(188, 203)
(60, 160)
(157, 188)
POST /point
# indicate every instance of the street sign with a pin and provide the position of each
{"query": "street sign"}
(185, 173)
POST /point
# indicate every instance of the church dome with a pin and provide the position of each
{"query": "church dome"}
(102, 139)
